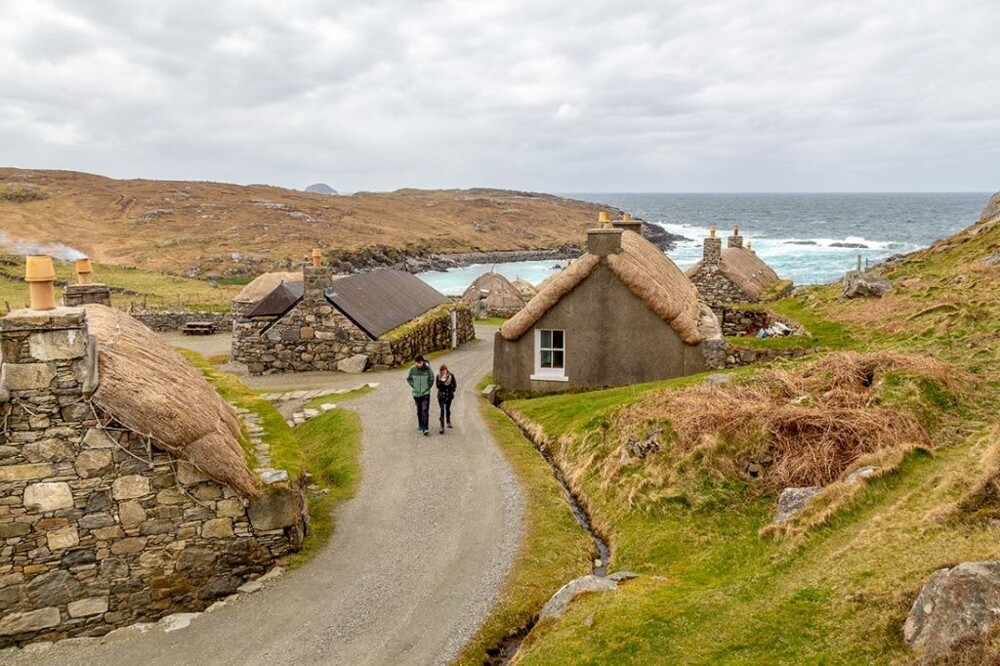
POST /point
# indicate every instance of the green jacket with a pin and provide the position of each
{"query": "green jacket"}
(420, 381)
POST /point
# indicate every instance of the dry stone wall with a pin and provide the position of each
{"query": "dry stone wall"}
(166, 320)
(99, 528)
(716, 290)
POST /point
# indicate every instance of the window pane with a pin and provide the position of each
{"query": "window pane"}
(557, 359)
(546, 339)
(546, 358)
(557, 339)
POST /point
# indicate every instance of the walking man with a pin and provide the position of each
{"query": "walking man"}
(421, 379)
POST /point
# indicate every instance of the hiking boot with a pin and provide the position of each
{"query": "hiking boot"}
(441, 431)
(427, 433)
(449, 424)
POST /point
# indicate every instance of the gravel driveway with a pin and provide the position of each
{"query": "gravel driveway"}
(413, 566)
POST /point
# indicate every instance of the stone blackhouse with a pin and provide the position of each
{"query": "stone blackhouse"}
(115, 507)
(375, 320)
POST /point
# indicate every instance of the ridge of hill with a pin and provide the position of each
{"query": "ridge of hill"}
(206, 229)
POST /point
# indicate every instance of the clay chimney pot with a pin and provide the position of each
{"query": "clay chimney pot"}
(39, 273)
(84, 271)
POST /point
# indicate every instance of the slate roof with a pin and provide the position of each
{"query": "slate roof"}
(380, 301)
(280, 300)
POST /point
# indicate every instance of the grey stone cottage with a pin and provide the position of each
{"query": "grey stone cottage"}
(622, 313)
(377, 320)
(124, 490)
(734, 275)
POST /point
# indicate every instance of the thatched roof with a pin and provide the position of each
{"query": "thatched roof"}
(502, 295)
(150, 388)
(264, 284)
(644, 269)
(525, 288)
(745, 269)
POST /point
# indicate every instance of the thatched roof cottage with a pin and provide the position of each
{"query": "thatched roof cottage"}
(348, 322)
(501, 298)
(525, 289)
(732, 275)
(127, 490)
(622, 313)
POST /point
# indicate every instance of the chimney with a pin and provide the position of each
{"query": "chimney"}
(603, 219)
(85, 291)
(713, 250)
(315, 279)
(40, 276)
(84, 272)
(603, 242)
(628, 224)
(736, 240)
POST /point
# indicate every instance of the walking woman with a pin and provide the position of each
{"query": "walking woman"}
(446, 386)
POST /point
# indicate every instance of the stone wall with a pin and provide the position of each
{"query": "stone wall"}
(737, 322)
(738, 356)
(99, 528)
(316, 336)
(717, 290)
(166, 320)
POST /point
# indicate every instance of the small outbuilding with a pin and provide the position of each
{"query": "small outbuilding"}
(378, 319)
(734, 275)
(525, 289)
(622, 313)
(493, 295)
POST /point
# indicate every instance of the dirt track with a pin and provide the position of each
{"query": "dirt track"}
(414, 564)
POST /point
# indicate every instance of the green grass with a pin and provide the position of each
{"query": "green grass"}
(328, 447)
(554, 549)
(144, 289)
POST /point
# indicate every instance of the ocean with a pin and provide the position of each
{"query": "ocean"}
(794, 233)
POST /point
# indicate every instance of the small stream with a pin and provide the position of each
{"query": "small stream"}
(505, 652)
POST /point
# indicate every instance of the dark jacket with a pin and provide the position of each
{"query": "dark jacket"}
(420, 381)
(446, 389)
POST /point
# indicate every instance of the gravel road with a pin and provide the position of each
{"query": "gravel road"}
(414, 564)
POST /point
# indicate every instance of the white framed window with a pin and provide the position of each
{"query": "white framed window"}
(550, 355)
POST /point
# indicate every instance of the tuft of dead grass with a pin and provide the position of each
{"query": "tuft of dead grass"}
(800, 427)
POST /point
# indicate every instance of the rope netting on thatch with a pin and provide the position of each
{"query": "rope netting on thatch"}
(644, 269)
(501, 294)
(264, 284)
(813, 423)
(748, 271)
(147, 386)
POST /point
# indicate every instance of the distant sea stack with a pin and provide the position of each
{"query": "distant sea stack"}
(321, 188)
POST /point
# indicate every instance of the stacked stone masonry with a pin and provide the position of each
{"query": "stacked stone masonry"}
(316, 336)
(98, 527)
(83, 294)
(162, 321)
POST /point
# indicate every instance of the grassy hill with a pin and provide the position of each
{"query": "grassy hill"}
(202, 228)
(664, 472)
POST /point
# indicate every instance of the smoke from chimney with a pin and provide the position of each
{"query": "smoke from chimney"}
(59, 251)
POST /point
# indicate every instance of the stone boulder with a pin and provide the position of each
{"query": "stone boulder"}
(354, 365)
(956, 604)
(992, 209)
(560, 601)
(857, 284)
(992, 260)
(793, 500)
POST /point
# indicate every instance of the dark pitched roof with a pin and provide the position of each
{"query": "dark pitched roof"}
(380, 301)
(280, 300)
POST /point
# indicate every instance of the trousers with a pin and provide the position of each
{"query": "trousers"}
(423, 403)
(445, 407)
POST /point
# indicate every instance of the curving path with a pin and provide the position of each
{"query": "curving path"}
(414, 564)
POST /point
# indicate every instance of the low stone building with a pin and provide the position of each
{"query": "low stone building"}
(375, 320)
(493, 295)
(525, 288)
(124, 491)
(734, 275)
(622, 313)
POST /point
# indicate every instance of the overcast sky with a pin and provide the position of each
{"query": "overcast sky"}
(570, 96)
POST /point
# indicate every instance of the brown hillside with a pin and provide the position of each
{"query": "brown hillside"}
(224, 229)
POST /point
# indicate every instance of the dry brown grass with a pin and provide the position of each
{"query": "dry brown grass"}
(170, 226)
(801, 427)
